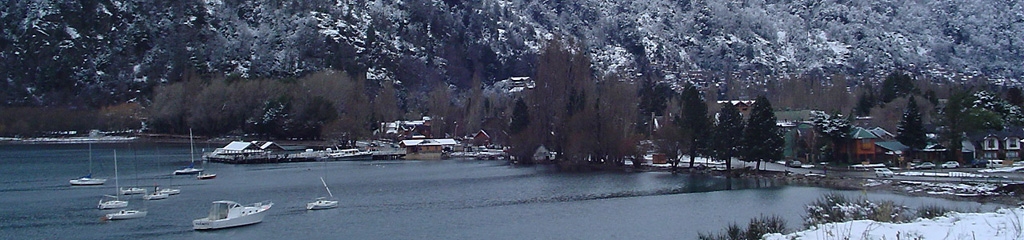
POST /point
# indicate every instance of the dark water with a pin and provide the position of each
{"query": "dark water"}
(452, 199)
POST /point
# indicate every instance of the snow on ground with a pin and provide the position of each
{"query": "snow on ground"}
(1002, 224)
(941, 174)
(959, 189)
(74, 139)
(1002, 169)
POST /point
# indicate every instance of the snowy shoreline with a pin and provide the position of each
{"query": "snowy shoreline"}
(1002, 224)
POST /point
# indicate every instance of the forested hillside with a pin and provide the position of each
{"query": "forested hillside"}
(96, 53)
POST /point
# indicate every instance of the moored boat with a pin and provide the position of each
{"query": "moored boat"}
(125, 214)
(132, 190)
(205, 176)
(226, 214)
(321, 203)
(88, 180)
(155, 196)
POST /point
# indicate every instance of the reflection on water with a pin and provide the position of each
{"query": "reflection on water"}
(385, 200)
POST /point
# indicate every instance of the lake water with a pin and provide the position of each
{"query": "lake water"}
(451, 199)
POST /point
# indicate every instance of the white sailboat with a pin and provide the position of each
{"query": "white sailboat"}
(125, 214)
(225, 214)
(132, 190)
(87, 179)
(190, 169)
(115, 201)
(323, 203)
(156, 194)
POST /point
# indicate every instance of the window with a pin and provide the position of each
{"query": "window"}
(1012, 154)
(991, 144)
(1012, 143)
(990, 155)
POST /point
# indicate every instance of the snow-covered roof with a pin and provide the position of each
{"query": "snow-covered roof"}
(429, 142)
(238, 146)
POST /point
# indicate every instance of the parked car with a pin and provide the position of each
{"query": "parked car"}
(978, 163)
(884, 172)
(924, 165)
(995, 163)
(951, 164)
(794, 164)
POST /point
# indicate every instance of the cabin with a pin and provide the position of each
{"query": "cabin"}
(427, 149)
(481, 138)
(862, 145)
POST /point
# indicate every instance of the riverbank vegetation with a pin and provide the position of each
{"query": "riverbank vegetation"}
(831, 208)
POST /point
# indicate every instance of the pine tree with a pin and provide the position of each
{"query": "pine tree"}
(762, 139)
(728, 133)
(695, 123)
(910, 130)
(836, 128)
(520, 117)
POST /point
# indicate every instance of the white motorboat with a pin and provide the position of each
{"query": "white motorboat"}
(87, 179)
(191, 169)
(225, 214)
(206, 176)
(351, 154)
(111, 202)
(132, 191)
(125, 214)
(323, 203)
(155, 196)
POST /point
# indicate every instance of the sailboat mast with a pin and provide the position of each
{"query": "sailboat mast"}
(90, 160)
(191, 147)
(117, 187)
(325, 186)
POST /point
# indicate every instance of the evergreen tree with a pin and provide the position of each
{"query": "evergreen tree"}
(835, 128)
(896, 85)
(728, 133)
(520, 117)
(911, 131)
(762, 138)
(864, 104)
(1015, 97)
(960, 116)
(695, 123)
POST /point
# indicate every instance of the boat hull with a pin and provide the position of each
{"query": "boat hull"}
(187, 171)
(318, 205)
(249, 219)
(170, 191)
(206, 176)
(126, 214)
(132, 191)
(155, 196)
(112, 204)
(87, 181)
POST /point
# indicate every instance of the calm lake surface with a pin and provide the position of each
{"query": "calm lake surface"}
(451, 199)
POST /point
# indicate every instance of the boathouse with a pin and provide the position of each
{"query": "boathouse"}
(427, 149)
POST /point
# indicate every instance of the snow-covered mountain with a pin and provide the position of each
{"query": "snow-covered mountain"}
(101, 51)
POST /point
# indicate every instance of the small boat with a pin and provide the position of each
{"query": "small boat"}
(205, 176)
(132, 190)
(351, 154)
(322, 203)
(226, 214)
(112, 202)
(155, 196)
(125, 214)
(190, 169)
(169, 191)
(87, 180)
